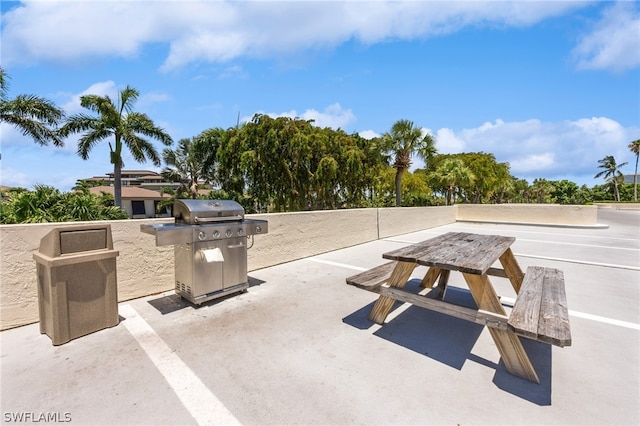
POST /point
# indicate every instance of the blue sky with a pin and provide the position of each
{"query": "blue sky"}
(550, 87)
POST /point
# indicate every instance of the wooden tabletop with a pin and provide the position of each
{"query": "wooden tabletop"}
(456, 251)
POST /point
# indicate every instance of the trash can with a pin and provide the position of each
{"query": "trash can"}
(77, 283)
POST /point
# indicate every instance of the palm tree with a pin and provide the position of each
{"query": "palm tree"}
(635, 148)
(185, 164)
(36, 117)
(403, 141)
(453, 173)
(120, 122)
(611, 172)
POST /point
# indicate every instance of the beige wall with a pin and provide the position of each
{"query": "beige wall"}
(402, 220)
(544, 214)
(144, 269)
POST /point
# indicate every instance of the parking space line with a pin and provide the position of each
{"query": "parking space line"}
(201, 403)
(508, 301)
(581, 262)
(341, 265)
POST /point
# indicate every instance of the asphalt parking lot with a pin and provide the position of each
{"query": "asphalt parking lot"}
(297, 349)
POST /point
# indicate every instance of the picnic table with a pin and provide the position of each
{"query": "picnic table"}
(540, 311)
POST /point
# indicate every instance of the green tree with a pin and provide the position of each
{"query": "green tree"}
(185, 164)
(452, 173)
(48, 204)
(34, 116)
(611, 173)
(635, 148)
(402, 142)
(120, 122)
(541, 191)
(285, 164)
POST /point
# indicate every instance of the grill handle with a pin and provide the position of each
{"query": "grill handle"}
(236, 246)
(215, 219)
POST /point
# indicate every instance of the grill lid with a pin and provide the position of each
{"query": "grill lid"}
(199, 212)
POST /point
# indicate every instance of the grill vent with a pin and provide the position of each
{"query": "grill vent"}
(183, 288)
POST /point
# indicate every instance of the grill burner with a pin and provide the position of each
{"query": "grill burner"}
(210, 239)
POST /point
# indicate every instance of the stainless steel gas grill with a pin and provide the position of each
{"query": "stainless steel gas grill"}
(210, 239)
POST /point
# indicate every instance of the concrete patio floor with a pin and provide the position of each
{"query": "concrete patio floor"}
(297, 348)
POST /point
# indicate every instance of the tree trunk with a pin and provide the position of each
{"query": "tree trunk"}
(399, 172)
(117, 184)
(635, 182)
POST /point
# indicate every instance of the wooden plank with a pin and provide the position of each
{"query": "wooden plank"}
(384, 304)
(458, 251)
(513, 355)
(442, 283)
(540, 311)
(372, 278)
(497, 272)
(512, 269)
(481, 317)
(553, 326)
(526, 309)
(430, 277)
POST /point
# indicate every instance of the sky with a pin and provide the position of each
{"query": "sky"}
(550, 87)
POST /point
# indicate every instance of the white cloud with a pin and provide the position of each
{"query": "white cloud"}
(333, 116)
(368, 134)
(218, 31)
(534, 163)
(105, 88)
(147, 99)
(614, 42)
(447, 142)
(553, 150)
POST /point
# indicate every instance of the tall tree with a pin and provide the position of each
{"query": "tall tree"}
(36, 117)
(452, 174)
(635, 148)
(611, 173)
(120, 122)
(185, 164)
(402, 143)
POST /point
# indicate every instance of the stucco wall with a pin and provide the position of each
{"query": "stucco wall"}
(402, 220)
(544, 214)
(144, 269)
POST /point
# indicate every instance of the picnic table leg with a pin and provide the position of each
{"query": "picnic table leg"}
(398, 279)
(430, 278)
(511, 350)
(512, 269)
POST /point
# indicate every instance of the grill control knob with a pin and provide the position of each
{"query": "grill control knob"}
(216, 234)
(229, 233)
(240, 231)
(258, 229)
(202, 236)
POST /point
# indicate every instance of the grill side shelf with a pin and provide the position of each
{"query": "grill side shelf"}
(169, 234)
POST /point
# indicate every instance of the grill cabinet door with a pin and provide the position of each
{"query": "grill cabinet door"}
(234, 251)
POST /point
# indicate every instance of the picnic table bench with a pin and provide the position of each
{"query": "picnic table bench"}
(540, 311)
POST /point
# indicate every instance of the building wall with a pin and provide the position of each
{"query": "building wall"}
(144, 269)
(149, 209)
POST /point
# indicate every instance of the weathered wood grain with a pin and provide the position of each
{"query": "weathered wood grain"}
(384, 304)
(372, 278)
(512, 269)
(540, 311)
(480, 316)
(515, 359)
(457, 251)
(430, 277)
